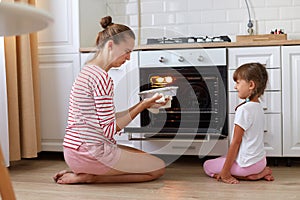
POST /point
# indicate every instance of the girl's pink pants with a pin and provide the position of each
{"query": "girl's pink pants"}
(214, 166)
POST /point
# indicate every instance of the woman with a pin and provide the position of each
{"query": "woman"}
(89, 147)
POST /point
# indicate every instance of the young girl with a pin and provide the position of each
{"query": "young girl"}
(89, 146)
(246, 158)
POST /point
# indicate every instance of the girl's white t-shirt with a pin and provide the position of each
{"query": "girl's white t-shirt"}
(250, 117)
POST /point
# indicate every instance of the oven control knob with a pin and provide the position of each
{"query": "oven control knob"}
(181, 59)
(161, 59)
(200, 58)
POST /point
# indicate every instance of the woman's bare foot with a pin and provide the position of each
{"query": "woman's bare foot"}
(68, 177)
(265, 174)
(60, 174)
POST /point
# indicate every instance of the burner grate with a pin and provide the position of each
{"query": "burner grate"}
(179, 40)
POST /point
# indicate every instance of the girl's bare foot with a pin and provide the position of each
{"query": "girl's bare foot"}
(229, 179)
(266, 174)
(269, 177)
(68, 177)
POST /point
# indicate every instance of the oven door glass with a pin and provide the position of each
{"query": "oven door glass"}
(199, 106)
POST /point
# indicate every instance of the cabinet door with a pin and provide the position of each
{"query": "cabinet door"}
(119, 77)
(133, 85)
(274, 83)
(4, 141)
(126, 88)
(270, 56)
(125, 95)
(290, 100)
(126, 81)
(57, 74)
(271, 101)
(63, 35)
(272, 137)
(272, 133)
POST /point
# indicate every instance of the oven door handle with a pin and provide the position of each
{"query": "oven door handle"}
(184, 147)
(208, 138)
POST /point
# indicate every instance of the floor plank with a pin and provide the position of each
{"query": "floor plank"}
(184, 180)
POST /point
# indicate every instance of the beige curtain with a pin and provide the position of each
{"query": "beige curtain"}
(22, 73)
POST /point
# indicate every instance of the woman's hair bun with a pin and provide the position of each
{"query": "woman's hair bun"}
(106, 21)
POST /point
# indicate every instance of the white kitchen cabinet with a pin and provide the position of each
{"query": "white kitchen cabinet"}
(268, 55)
(4, 141)
(58, 47)
(271, 100)
(57, 74)
(119, 78)
(271, 139)
(61, 37)
(126, 81)
(126, 88)
(290, 100)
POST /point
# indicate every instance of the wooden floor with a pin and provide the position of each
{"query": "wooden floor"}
(184, 179)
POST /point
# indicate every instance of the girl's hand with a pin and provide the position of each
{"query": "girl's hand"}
(227, 178)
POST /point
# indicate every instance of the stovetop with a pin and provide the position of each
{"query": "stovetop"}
(201, 39)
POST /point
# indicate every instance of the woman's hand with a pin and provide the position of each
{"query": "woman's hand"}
(155, 101)
(125, 117)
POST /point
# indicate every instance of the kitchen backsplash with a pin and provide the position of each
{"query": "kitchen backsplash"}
(173, 18)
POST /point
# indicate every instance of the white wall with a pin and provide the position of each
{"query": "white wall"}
(3, 106)
(172, 18)
(90, 12)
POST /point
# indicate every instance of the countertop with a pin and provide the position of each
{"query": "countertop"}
(206, 45)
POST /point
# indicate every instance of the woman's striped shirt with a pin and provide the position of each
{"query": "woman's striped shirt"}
(91, 109)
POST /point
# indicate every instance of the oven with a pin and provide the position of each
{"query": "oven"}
(197, 109)
(196, 122)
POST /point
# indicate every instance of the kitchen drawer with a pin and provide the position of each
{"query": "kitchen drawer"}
(268, 55)
(274, 82)
(182, 58)
(272, 133)
(212, 147)
(271, 102)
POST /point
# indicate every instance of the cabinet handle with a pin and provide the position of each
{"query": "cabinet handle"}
(183, 147)
(265, 108)
(181, 59)
(200, 58)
